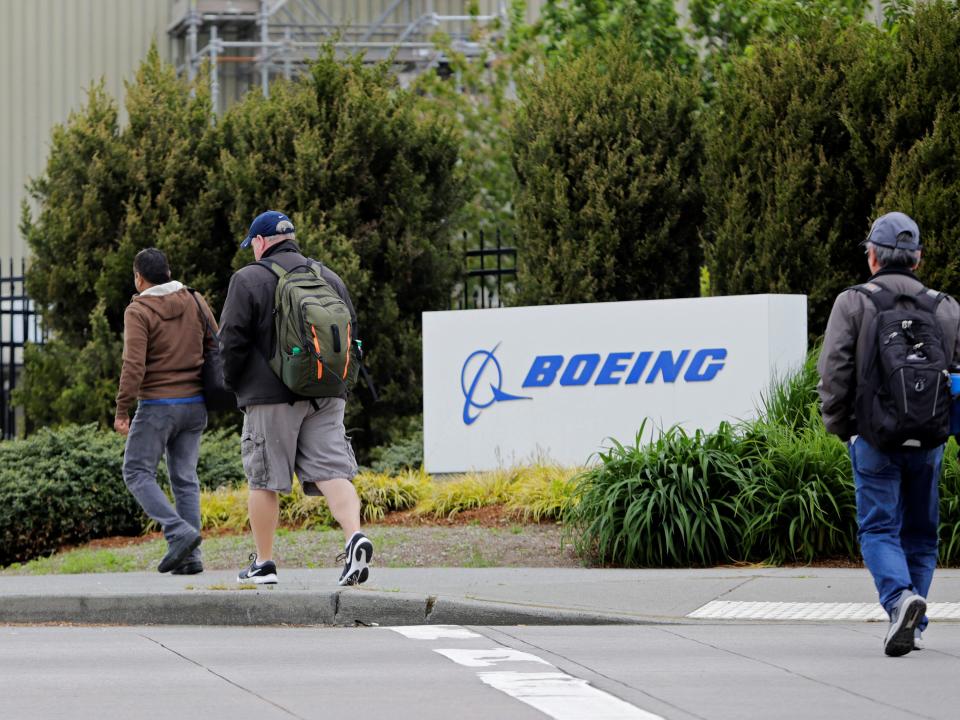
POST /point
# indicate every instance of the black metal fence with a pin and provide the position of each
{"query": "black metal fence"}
(19, 324)
(485, 270)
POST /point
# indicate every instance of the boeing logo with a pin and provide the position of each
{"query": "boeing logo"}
(481, 377)
(484, 370)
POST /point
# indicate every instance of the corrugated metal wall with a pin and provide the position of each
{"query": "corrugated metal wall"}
(50, 52)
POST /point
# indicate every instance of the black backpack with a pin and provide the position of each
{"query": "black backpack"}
(903, 385)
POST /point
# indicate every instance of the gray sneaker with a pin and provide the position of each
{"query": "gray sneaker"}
(917, 640)
(904, 619)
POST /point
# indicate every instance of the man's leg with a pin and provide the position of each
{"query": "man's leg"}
(268, 449)
(326, 464)
(879, 517)
(344, 504)
(145, 444)
(921, 518)
(183, 452)
(264, 509)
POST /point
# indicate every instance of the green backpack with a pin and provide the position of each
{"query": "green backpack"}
(314, 349)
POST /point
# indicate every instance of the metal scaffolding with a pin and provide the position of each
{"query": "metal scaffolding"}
(259, 40)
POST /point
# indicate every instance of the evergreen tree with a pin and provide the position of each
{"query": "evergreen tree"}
(792, 166)
(606, 156)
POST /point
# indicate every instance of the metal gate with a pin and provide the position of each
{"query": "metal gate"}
(19, 324)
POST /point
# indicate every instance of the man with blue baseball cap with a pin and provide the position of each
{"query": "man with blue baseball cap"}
(269, 224)
(885, 391)
(285, 433)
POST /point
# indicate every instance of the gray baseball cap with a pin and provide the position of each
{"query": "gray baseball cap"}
(886, 231)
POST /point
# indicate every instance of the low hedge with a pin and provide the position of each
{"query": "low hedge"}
(60, 487)
(65, 486)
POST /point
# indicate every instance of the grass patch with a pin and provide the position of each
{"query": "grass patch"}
(79, 561)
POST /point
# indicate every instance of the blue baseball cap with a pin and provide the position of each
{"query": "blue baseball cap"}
(888, 230)
(268, 224)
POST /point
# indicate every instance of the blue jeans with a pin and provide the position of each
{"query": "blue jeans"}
(898, 513)
(174, 430)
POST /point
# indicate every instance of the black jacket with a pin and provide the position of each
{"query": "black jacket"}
(247, 327)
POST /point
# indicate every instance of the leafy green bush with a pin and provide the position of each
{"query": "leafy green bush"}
(796, 497)
(668, 503)
(950, 507)
(607, 155)
(793, 161)
(405, 453)
(63, 487)
(220, 464)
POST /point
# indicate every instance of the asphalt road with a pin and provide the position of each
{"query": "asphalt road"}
(694, 670)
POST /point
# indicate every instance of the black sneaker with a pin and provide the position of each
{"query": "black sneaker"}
(356, 560)
(260, 573)
(904, 619)
(190, 567)
(178, 550)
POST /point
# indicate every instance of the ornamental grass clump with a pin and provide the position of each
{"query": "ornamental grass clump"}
(668, 503)
(796, 499)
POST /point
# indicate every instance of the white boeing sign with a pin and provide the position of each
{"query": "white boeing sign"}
(513, 385)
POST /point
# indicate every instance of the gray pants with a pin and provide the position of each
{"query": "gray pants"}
(176, 430)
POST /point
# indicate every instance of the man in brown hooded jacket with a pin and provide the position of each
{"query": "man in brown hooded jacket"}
(164, 332)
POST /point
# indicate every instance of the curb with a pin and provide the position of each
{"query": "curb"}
(270, 607)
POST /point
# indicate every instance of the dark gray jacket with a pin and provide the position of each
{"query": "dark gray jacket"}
(246, 327)
(845, 339)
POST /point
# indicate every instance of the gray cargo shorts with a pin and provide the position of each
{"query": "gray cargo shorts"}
(280, 439)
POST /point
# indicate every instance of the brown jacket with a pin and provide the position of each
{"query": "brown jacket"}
(163, 340)
(845, 338)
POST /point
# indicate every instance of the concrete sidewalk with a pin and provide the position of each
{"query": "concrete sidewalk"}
(487, 596)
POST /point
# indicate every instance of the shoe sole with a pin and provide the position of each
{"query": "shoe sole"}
(900, 642)
(360, 563)
(180, 556)
(270, 579)
(191, 571)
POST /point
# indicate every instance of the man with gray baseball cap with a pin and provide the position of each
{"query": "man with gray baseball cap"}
(893, 319)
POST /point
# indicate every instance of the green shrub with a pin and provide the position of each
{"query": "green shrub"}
(796, 497)
(668, 503)
(220, 464)
(405, 453)
(950, 507)
(793, 160)
(63, 487)
(607, 155)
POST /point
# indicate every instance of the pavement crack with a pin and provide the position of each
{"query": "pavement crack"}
(223, 677)
(794, 673)
(735, 587)
(571, 661)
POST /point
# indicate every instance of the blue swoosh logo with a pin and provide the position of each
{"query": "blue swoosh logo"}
(471, 407)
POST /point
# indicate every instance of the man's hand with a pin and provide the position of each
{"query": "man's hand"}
(122, 425)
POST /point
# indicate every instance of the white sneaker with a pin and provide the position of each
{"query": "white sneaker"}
(356, 558)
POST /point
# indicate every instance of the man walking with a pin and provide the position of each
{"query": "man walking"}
(885, 391)
(163, 343)
(285, 432)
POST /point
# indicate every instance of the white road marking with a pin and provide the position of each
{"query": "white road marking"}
(564, 697)
(489, 657)
(435, 632)
(864, 612)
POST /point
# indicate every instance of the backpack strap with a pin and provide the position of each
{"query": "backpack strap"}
(882, 298)
(203, 316)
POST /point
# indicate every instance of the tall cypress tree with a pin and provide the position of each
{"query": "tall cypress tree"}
(606, 157)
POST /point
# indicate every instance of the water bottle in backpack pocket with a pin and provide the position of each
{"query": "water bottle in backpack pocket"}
(314, 352)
